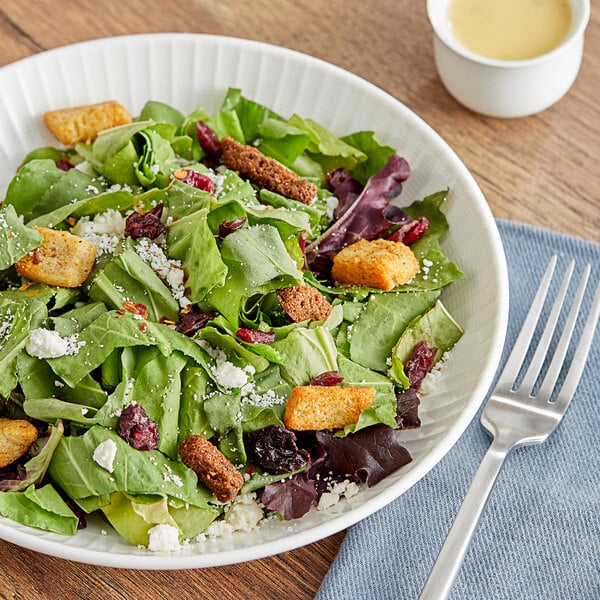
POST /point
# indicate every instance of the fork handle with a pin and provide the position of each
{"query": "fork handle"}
(444, 571)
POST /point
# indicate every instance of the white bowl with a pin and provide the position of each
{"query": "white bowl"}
(507, 88)
(188, 70)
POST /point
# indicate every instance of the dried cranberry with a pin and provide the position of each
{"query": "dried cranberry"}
(419, 363)
(329, 378)
(145, 224)
(410, 232)
(227, 227)
(274, 449)
(137, 428)
(195, 179)
(192, 321)
(64, 164)
(209, 141)
(254, 336)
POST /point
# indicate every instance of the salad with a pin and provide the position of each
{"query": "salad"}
(203, 312)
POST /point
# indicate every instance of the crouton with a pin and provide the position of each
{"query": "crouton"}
(62, 259)
(84, 123)
(304, 303)
(378, 263)
(211, 466)
(16, 435)
(266, 172)
(316, 407)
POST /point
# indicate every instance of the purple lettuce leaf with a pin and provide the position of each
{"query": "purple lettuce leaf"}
(368, 455)
(345, 188)
(291, 498)
(407, 410)
(364, 217)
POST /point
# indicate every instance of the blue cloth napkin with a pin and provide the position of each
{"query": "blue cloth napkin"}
(539, 537)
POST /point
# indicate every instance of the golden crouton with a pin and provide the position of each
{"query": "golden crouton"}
(266, 172)
(84, 123)
(62, 259)
(316, 407)
(304, 303)
(378, 263)
(212, 467)
(16, 435)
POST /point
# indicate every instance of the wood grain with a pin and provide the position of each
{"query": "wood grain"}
(541, 170)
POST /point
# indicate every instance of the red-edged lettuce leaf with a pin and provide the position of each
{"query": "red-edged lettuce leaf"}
(368, 455)
(345, 188)
(291, 498)
(365, 217)
(407, 411)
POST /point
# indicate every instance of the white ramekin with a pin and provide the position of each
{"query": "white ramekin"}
(507, 88)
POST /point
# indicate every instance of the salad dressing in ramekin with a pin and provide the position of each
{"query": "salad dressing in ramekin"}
(510, 29)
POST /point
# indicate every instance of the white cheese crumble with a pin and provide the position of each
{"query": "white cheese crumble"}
(227, 375)
(230, 376)
(343, 489)
(105, 453)
(104, 231)
(431, 381)
(243, 514)
(45, 343)
(163, 538)
(169, 270)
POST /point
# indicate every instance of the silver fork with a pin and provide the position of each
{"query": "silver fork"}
(519, 414)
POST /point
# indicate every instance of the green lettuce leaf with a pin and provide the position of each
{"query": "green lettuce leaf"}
(436, 327)
(306, 354)
(380, 324)
(16, 319)
(134, 471)
(126, 277)
(42, 508)
(190, 240)
(16, 240)
(257, 262)
(27, 187)
(133, 516)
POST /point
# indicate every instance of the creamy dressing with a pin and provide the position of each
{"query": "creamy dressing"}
(510, 29)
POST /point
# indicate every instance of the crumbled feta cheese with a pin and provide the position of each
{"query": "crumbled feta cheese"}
(104, 231)
(241, 515)
(163, 538)
(431, 381)
(45, 343)
(342, 489)
(105, 453)
(169, 270)
(244, 514)
(229, 376)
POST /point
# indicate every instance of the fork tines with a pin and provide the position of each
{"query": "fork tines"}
(508, 378)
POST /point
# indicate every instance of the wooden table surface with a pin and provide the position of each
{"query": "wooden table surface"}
(541, 170)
